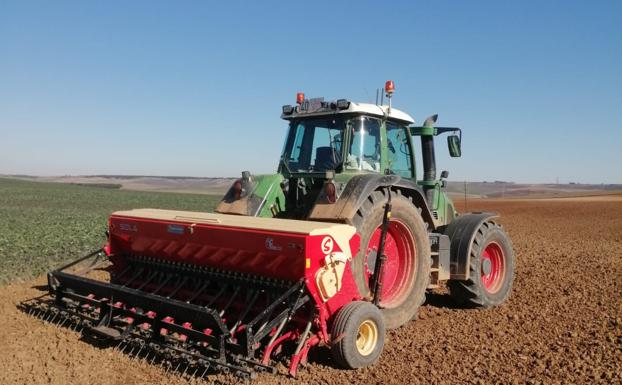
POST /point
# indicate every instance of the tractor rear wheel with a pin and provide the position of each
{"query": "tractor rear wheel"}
(491, 269)
(357, 335)
(407, 247)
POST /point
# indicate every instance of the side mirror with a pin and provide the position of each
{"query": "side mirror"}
(444, 174)
(453, 143)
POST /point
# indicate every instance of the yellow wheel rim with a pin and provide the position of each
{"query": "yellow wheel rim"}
(367, 337)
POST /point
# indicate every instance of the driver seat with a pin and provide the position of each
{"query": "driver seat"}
(326, 158)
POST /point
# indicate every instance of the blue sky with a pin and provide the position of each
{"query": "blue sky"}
(195, 88)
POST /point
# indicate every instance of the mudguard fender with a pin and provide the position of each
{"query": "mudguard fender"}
(359, 188)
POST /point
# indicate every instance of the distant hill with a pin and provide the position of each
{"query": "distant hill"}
(181, 184)
(501, 189)
(208, 185)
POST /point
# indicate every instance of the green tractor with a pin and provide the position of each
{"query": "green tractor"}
(349, 162)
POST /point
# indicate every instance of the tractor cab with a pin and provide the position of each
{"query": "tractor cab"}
(345, 137)
(330, 143)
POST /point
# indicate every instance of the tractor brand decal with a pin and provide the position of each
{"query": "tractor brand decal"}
(271, 246)
(175, 229)
(128, 227)
(327, 245)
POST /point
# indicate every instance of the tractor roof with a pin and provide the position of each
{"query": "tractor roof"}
(363, 108)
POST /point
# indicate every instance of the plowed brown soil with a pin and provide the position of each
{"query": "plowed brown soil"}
(562, 325)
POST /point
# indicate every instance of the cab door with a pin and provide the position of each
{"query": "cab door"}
(400, 159)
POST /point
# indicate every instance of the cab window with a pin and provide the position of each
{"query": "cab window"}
(399, 158)
(364, 151)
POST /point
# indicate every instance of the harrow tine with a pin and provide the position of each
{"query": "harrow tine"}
(164, 282)
(198, 292)
(303, 337)
(123, 272)
(235, 294)
(136, 275)
(148, 280)
(278, 331)
(220, 292)
(178, 287)
(248, 308)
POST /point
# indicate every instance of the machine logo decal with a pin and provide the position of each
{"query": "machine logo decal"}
(175, 229)
(271, 246)
(128, 227)
(327, 245)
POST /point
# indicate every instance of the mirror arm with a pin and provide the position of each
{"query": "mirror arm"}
(442, 130)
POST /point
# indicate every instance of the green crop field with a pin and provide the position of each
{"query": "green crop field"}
(44, 224)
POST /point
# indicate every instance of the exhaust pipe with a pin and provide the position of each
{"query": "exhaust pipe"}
(428, 154)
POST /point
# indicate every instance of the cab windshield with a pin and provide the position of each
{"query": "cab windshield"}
(316, 144)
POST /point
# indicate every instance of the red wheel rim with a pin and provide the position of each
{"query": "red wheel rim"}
(399, 267)
(492, 266)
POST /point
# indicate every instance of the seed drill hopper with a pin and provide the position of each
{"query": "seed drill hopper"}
(205, 291)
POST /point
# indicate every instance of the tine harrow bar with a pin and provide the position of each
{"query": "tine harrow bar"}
(189, 318)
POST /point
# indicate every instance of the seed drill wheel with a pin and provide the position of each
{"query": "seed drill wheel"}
(491, 269)
(358, 335)
(407, 267)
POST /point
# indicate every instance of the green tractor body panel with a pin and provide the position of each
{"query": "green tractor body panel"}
(260, 196)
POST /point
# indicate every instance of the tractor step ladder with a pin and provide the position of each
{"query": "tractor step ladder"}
(439, 266)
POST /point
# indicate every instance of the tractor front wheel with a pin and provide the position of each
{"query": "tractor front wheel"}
(357, 335)
(491, 269)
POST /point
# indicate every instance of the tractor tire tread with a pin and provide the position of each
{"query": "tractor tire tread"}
(346, 326)
(379, 197)
(470, 292)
